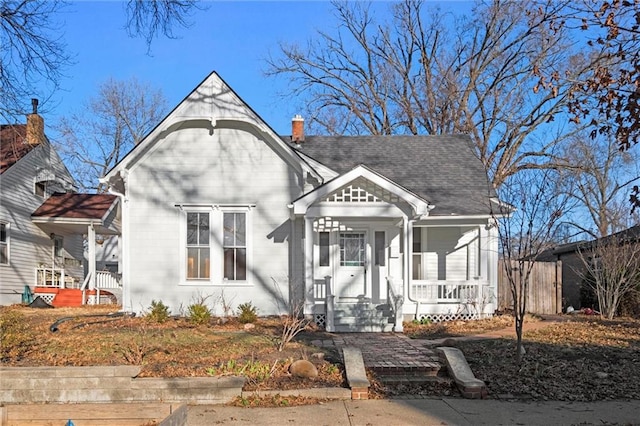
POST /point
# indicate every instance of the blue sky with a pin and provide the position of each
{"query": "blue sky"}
(230, 37)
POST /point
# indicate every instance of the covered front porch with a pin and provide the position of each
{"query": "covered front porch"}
(375, 258)
(88, 220)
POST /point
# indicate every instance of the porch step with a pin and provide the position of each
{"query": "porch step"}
(71, 297)
(67, 297)
(423, 374)
(361, 317)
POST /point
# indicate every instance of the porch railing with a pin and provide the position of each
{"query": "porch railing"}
(329, 305)
(442, 291)
(107, 280)
(319, 290)
(395, 299)
(54, 278)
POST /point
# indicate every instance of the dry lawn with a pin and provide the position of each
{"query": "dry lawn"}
(573, 358)
(175, 348)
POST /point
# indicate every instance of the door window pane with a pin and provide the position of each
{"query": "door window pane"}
(352, 249)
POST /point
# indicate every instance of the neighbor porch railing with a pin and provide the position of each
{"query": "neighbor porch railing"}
(105, 280)
(442, 291)
(54, 278)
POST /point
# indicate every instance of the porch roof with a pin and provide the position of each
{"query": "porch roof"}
(419, 206)
(77, 211)
(440, 168)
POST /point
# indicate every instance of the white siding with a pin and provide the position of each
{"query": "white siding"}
(29, 245)
(451, 253)
(194, 167)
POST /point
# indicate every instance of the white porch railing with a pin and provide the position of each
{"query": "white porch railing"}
(105, 280)
(330, 305)
(54, 278)
(395, 299)
(441, 291)
(320, 290)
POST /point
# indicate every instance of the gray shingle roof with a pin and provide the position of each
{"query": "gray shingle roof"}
(443, 170)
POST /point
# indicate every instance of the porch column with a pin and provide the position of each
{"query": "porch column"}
(407, 261)
(91, 242)
(308, 265)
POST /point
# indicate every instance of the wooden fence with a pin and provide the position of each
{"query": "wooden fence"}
(545, 288)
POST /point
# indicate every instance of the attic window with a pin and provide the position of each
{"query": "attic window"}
(40, 188)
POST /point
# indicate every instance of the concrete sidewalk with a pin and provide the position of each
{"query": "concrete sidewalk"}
(448, 411)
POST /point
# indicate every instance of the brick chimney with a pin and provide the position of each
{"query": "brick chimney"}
(35, 125)
(297, 129)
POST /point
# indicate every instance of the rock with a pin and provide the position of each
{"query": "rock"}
(601, 375)
(249, 326)
(303, 368)
(449, 342)
(318, 355)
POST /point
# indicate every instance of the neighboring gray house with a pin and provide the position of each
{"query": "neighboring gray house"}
(30, 172)
(44, 224)
(362, 232)
(573, 267)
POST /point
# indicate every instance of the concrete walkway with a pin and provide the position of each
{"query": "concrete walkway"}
(448, 411)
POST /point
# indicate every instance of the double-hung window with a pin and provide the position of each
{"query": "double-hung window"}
(4, 243)
(235, 246)
(198, 250)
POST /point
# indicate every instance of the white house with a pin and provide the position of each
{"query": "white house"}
(44, 224)
(362, 232)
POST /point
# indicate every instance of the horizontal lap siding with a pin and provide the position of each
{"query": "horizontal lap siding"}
(29, 245)
(192, 166)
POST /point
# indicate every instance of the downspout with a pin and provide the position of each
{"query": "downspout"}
(126, 297)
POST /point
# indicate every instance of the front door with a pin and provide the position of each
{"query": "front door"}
(351, 265)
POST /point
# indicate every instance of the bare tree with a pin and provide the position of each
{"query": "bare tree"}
(94, 139)
(34, 55)
(527, 220)
(433, 73)
(598, 177)
(150, 18)
(612, 268)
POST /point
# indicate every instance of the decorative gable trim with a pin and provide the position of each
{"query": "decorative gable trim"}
(361, 185)
(213, 92)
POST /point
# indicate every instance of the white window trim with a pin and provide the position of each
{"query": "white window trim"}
(216, 250)
(249, 245)
(7, 228)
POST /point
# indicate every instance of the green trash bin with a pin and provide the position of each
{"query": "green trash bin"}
(27, 295)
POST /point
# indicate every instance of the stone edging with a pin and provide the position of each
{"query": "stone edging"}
(459, 370)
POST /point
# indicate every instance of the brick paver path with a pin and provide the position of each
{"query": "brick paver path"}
(386, 350)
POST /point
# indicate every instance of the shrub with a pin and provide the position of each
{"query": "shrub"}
(198, 313)
(159, 312)
(247, 313)
(292, 325)
(630, 304)
(15, 337)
